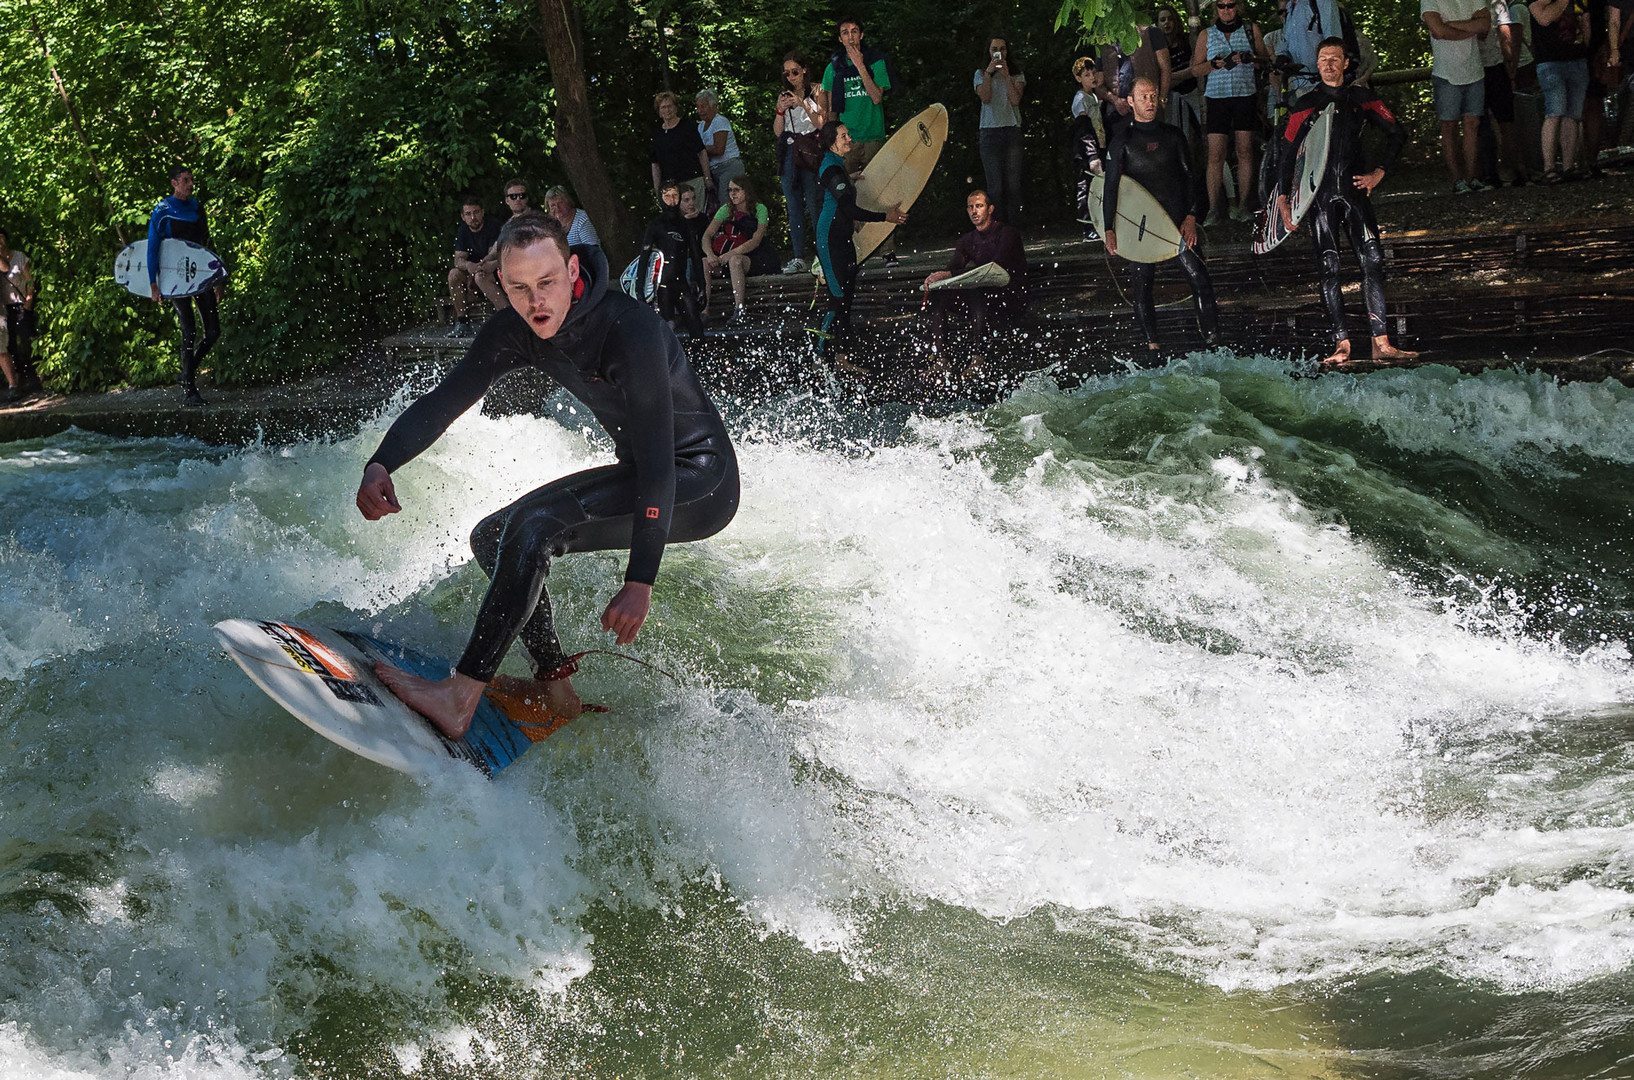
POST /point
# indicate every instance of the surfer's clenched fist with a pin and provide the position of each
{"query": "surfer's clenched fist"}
(627, 611)
(375, 496)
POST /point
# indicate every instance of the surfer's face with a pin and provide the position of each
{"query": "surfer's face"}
(670, 196)
(183, 186)
(689, 202)
(1144, 99)
(539, 282)
(842, 141)
(1330, 64)
(979, 209)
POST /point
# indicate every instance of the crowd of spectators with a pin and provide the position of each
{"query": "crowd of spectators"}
(1218, 79)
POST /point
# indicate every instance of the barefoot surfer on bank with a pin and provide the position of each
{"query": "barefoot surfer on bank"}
(675, 478)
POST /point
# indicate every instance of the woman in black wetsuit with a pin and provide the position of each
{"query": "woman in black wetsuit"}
(835, 225)
(675, 478)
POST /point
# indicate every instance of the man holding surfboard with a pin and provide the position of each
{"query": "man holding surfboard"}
(1155, 155)
(1341, 201)
(180, 217)
(993, 243)
(675, 478)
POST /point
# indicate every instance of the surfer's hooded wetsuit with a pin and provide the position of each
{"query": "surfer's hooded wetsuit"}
(678, 298)
(184, 219)
(1339, 203)
(676, 477)
(835, 251)
(1156, 155)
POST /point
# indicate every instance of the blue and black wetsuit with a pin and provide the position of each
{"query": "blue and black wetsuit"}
(675, 478)
(184, 219)
(835, 226)
(1340, 205)
(1156, 155)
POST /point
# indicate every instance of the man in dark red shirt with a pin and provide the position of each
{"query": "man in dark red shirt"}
(992, 241)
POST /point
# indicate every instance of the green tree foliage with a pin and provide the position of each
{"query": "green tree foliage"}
(333, 139)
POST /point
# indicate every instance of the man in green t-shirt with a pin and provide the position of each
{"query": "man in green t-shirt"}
(863, 77)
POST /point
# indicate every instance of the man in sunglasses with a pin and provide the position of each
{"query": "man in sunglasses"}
(516, 197)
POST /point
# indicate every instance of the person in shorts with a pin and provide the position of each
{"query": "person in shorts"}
(1561, 33)
(1456, 27)
(1225, 56)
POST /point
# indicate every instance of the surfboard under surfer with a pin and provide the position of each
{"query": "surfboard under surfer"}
(675, 478)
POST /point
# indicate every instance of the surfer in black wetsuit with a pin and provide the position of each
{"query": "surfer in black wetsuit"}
(835, 224)
(1156, 155)
(180, 217)
(1342, 200)
(668, 234)
(675, 478)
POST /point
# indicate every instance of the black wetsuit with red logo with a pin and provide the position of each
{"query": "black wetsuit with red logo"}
(1340, 205)
(675, 478)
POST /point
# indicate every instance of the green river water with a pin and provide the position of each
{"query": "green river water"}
(1203, 722)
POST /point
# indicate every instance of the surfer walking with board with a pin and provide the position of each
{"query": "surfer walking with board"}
(179, 216)
(1156, 155)
(1342, 201)
(675, 478)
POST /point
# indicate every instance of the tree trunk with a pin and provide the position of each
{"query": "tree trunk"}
(575, 136)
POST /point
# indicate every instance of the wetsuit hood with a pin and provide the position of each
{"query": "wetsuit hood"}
(593, 277)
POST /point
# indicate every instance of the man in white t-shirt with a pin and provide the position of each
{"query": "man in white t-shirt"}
(1456, 29)
(720, 142)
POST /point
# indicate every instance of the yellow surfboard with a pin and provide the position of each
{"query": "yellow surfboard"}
(898, 173)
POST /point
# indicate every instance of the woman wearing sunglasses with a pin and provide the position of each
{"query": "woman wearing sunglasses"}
(1225, 56)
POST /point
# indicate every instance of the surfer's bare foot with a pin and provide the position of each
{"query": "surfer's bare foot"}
(448, 703)
(556, 696)
(1383, 350)
(1341, 355)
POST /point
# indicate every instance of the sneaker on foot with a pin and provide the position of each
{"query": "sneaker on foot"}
(1239, 214)
(1479, 185)
(795, 266)
(1212, 220)
(1091, 236)
(1462, 188)
(890, 258)
(736, 318)
(190, 397)
(459, 329)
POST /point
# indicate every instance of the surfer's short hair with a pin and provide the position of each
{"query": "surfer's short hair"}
(828, 133)
(1147, 79)
(177, 170)
(982, 192)
(529, 228)
(1329, 42)
(471, 199)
